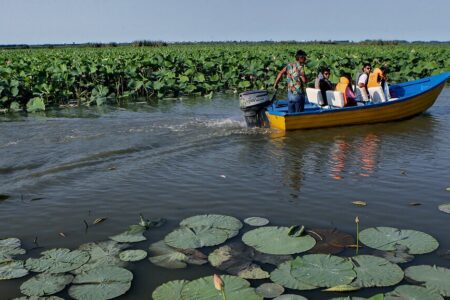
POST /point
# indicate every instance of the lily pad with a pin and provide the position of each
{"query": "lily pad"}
(134, 234)
(330, 241)
(375, 297)
(283, 275)
(412, 292)
(170, 290)
(101, 254)
(290, 297)
(269, 290)
(45, 284)
(323, 270)
(12, 269)
(387, 238)
(275, 240)
(239, 259)
(133, 255)
(171, 258)
(10, 247)
(398, 256)
(373, 271)
(202, 231)
(445, 208)
(59, 260)
(39, 298)
(256, 221)
(235, 289)
(101, 283)
(436, 279)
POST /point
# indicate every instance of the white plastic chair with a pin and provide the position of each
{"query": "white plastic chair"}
(314, 96)
(377, 94)
(361, 94)
(335, 98)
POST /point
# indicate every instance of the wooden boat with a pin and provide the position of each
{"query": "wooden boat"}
(412, 98)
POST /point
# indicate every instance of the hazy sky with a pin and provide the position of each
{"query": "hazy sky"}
(67, 21)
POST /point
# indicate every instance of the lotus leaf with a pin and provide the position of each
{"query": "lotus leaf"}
(170, 290)
(373, 271)
(8, 248)
(283, 275)
(59, 260)
(133, 255)
(398, 256)
(269, 290)
(45, 284)
(101, 254)
(387, 238)
(376, 297)
(445, 208)
(412, 292)
(203, 230)
(134, 234)
(235, 289)
(12, 269)
(39, 298)
(275, 240)
(330, 241)
(256, 221)
(290, 297)
(171, 258)
(433, 278)
(238, 259)
(101, 283)
(323, 270)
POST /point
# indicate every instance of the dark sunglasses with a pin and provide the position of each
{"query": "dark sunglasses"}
(326, 73)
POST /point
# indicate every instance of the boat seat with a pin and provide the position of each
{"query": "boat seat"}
(335, 98)
(361, 95)
(314, 96)
(377, 94)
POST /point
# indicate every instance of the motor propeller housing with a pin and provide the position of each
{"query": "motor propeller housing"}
(253, 104)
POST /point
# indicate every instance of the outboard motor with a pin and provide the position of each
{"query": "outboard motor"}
(253, 104)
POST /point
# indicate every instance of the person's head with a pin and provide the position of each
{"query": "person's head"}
(300, 56)
(367, 68)
(326, 72)
(384, 69)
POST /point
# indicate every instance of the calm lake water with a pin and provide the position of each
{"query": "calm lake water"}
(179, 158)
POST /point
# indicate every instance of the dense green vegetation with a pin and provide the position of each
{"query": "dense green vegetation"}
(35, 78)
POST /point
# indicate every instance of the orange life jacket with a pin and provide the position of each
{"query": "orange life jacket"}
(375, 78)
(342, 87)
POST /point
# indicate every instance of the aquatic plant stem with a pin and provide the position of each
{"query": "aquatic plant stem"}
(224, 297)
(357, 234)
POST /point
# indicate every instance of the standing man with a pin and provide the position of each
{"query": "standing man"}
(296, 80)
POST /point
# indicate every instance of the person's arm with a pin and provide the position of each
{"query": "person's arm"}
(362, 83)
(280, 74)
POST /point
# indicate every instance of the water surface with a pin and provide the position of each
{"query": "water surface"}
(178, 158)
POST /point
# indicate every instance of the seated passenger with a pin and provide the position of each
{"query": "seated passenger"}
(344, 86)
(318, 78)
(362, 79)
(378, 78)
(325, 84)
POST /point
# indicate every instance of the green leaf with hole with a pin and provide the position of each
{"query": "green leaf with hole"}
(373, 271)
(59, 260)
(275, 240)
(9, 248)
(283, 275)
(101, 283)
(134, 234)
(101, 254)
(436, 279)
(12, 269)
(170, 290)
(133, 255)
(45, 284)
(387, 238)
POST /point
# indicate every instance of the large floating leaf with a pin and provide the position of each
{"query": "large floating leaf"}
(235, 289)
(134, 234)
(387, 238)
(203, 230)
(58, 260)
(372, 271)
(433, 278)
(323, 270)
(133, 255)
(283, 275)
(12, 269)
(269, 290)
(445, 208)
(375, 297)
(45, 284)
(330, 241)
(39, 298)
(170, 290)
(10, 247)
(275, 240)
(171, 258)
(101, 283)
(411, 292)
(238, 259)
(101, 254)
